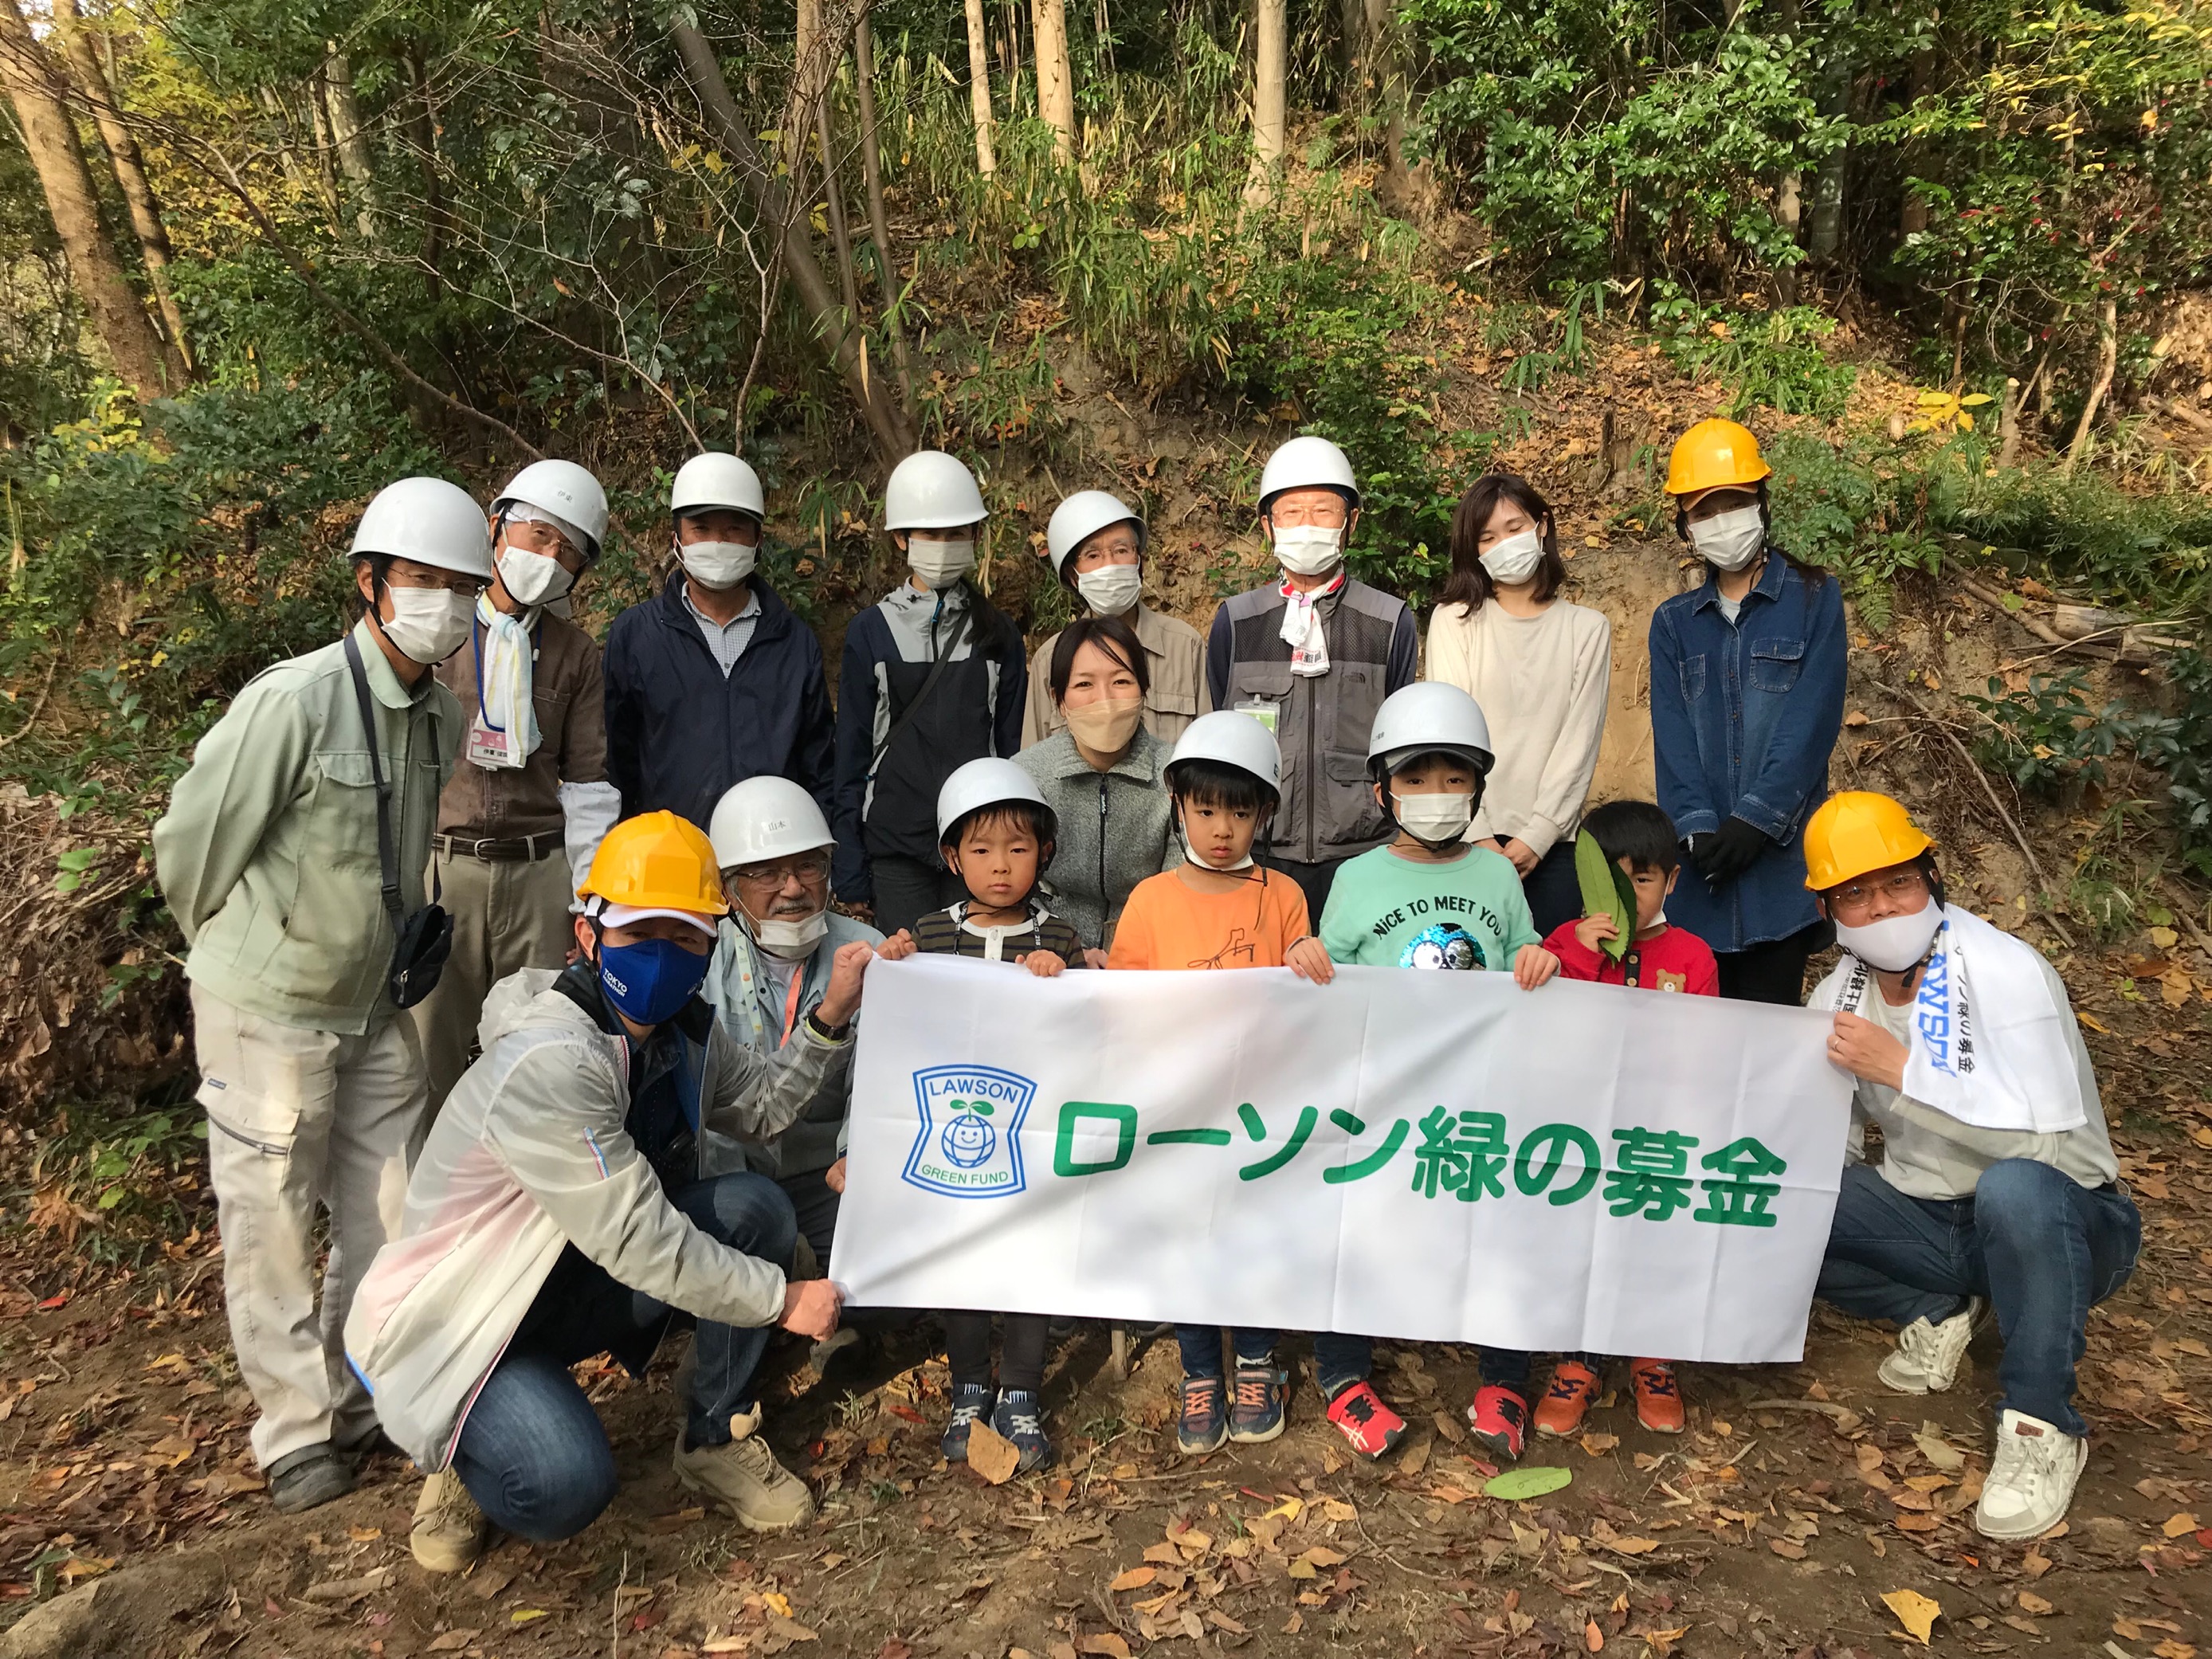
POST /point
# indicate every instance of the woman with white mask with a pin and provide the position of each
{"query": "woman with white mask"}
(1747, 701)
(934, 677)
(292, 857)
(1096, 545)
(1540, 668)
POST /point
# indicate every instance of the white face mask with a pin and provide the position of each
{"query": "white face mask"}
(717, 564)
(1731, 540)
(939, 564)
(532, 579)
(1435, 819)
(1309, 549)
(429, 624)
(791, 940)
(1512, 560)
(1111, 589)
(1895, 942)
(1244, 863)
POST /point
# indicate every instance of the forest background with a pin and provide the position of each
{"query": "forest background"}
(257, 259)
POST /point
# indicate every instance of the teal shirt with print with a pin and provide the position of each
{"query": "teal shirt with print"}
(1385, 911)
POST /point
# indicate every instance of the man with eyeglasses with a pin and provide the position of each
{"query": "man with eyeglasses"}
(1997, 1190)
(272, 861)
(773, 956)
(529, 799)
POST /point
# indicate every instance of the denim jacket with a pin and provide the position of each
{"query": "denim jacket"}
(1743, 717)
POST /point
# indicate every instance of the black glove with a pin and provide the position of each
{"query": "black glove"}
(1728, 851)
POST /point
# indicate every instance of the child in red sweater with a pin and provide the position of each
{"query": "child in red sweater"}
(1640, 837)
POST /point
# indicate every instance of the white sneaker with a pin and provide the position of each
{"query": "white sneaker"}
(2030, 1480)
(449, 1529)
(1928, 1356)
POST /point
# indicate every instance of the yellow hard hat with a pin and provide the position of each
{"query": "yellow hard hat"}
(1714, 454)
(657, 861)
(1857, 831)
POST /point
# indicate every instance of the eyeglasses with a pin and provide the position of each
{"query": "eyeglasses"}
(451, 581)
(535, 536)
(1900, 886)
(811, 869)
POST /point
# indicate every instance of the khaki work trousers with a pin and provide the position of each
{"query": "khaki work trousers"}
(299, 1118)
(508, 914)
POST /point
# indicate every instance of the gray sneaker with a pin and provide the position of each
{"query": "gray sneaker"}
(1928, 1355)
(311, 1476)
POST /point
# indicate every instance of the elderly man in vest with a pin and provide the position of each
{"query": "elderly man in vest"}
(1311, 656)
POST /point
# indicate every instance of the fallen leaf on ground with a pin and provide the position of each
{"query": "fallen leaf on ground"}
(1417, 1456)
(2029, 1602)
(1593, 1637)
(1516, 1486)
(1112, 1647)
(2034, 1565)
(1134, 1578)
(1787, 1550)
(1598, 1444)
(2177, 1524)
(453, 1641)
(1915, 1612)
(528, 1615)
(1932, 1447)
(991, 1455)
(1632, 1546)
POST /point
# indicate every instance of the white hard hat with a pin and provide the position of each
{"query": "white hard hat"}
(1427, 717)
(716, 479)
(1082, 516)
(1304, 463)
(766, 818)
(931, 490)
(1230, 739)
(567, 492)
(989, 781)
(429, 521)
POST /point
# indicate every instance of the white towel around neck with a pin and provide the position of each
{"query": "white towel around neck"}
(1990, 1041)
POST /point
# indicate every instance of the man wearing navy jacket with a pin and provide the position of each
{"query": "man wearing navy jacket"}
(714, 680)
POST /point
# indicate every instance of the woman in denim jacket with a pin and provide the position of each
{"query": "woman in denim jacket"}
(1746, 701)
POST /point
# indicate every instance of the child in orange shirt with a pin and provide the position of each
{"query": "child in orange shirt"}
(1218, 910)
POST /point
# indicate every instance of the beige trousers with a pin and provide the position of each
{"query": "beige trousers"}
(297, 1119)
(507, 915)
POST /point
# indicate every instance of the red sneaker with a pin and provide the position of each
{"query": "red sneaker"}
(1567, 1401)
(1500, 1417)
(1362, 1418)
(1658, 1400)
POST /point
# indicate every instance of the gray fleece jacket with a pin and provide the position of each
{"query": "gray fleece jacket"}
(1115, 828)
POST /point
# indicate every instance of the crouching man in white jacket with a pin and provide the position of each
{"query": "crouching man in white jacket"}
(558, 1211)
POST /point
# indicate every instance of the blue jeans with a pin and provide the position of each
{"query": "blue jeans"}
(532, 1452)
(2042, 1248)
(1338, 1358)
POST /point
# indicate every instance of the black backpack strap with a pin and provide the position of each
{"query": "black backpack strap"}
(936, 672)
(387, 860)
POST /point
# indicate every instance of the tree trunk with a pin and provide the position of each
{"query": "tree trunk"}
(346, 136)
(872, 173)
(422, 121)
(2108, 349)
(886, 421)
(834, 199)
(809, 82)
(130, 169)
(979, 88)
(1055, 77)
(120, 321)
(1352, 26)
(1271, 49)
(1827, 237)
(1790, 210)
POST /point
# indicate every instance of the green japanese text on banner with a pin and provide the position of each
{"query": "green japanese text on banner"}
(1427, 1155)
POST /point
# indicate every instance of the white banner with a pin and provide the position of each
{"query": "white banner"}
(1433, 1157)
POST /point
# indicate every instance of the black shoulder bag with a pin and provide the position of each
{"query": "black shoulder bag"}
(421, 942)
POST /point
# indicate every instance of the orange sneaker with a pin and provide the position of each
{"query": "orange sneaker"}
(1658, 1400)
(1560, 1411)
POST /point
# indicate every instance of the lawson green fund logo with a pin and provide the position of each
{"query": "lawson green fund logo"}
(967, 1143)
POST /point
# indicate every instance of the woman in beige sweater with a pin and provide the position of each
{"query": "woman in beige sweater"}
(1540, 667)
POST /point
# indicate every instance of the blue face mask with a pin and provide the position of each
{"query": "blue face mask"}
(649, 980)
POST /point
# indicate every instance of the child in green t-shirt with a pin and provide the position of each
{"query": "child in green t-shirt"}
(1430, 899)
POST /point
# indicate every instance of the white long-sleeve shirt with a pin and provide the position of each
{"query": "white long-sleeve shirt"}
(1542, 682)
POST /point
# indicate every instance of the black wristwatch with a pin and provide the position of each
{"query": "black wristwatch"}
(827, 1032)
